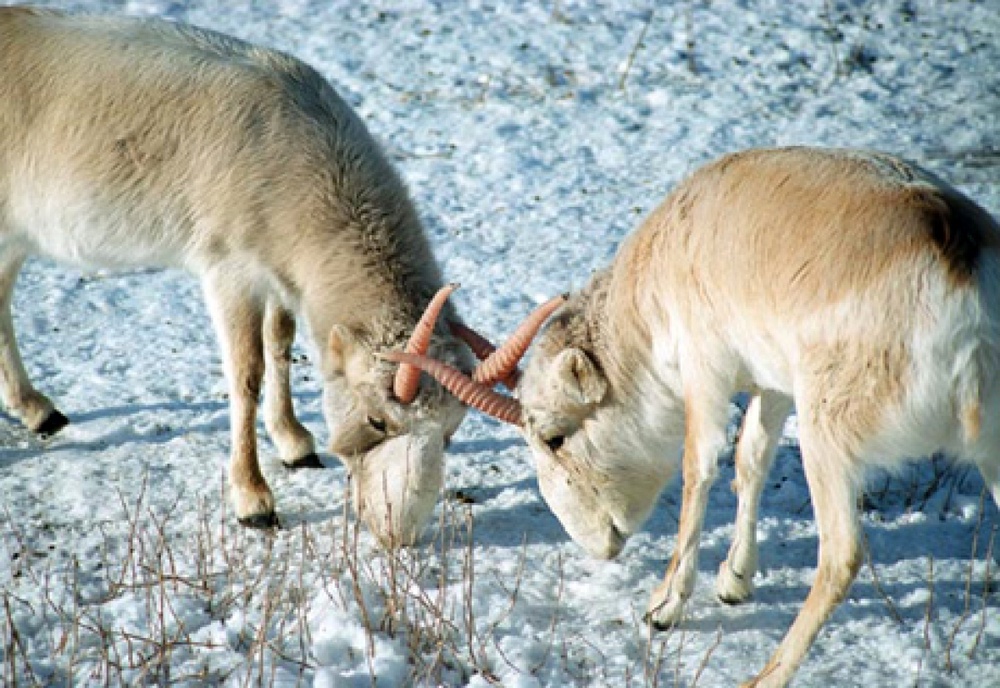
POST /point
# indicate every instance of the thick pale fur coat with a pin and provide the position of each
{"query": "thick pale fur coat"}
(129, 142)
(861, 288)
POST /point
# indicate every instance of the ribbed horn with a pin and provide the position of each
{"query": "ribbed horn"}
(503, 362)
(465, 389)
(407, 380)
(482, 348)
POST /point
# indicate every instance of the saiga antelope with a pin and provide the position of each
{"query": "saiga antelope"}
(127, 142)
(860, 288)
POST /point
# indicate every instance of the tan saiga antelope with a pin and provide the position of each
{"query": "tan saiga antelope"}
(856, 286)
(127, 142)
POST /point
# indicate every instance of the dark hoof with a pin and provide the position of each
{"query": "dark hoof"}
(307, 461)
(656, 625)
(731, 600)
(266, 521)
(52, 424)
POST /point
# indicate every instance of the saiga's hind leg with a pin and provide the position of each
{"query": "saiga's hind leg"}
(984, 451)
(33, 408)
(830, 472)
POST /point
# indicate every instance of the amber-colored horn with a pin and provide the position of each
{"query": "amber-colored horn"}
(503, 362)
(482, 348)
(465, 389)
(407, 380)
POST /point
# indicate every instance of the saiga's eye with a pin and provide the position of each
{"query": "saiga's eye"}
(377, 424)
(555, 442)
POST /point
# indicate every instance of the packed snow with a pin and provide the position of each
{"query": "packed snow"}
(533, 136)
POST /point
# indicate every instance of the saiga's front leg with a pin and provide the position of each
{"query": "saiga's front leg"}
(295, 444)
(238, 315)
(759, 438)
(706, 408)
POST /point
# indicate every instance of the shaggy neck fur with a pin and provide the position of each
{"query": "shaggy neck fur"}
(364, 222)
(642, 408)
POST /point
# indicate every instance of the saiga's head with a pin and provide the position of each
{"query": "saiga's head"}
(593, 469)
(388, 429)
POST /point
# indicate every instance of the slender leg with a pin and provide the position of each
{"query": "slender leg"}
(295, 444)
(755, 452)
(991, 476)
(985, 453)
(828, 471)
(19, 396)
(239, 317)
(706, 409)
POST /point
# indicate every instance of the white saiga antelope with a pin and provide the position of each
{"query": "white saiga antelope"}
(858, 287)
(127, 142)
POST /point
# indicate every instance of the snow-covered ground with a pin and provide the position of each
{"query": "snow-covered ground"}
(534, 136)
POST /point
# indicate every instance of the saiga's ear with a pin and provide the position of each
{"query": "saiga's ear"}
(340, 345)
(579, 379)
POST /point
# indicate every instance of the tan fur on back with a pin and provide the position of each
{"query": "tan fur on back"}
(352, 197)
(720, 258)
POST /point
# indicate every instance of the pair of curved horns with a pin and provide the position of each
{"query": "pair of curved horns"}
(467, 390)
(496, 365)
